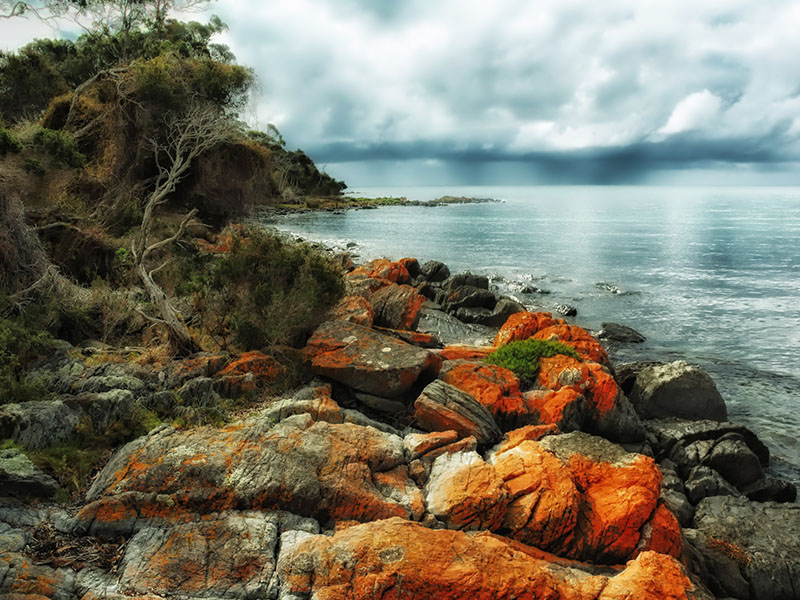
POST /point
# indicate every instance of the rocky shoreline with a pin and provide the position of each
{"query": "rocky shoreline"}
(340, 204)
(409, 467)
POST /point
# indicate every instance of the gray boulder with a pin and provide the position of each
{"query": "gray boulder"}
(754, 542)
(677, 389)
(704, 482)
(104, 408)
(19, 476)
(468, 279)
(443, 407)
(435, 271)
(468, 296)
(38, 424)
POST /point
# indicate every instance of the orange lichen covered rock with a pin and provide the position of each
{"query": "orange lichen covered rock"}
(522, 325)
(367, 360)
(397, 306)
(564, 408)
(248, 373)
(355, 309)
(415, 338)
(381, 268)
(466, 493)
(609, 412)
(619, 494)
(576, 337)
(417, 444)
(396, 559)
(488, 384)
(662, 533)
(528, 433)
(545, 502)
(311, 468)
(465, 352)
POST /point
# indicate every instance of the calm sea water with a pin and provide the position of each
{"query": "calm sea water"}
(709, 275)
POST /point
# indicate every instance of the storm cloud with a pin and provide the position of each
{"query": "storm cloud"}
(577, 91)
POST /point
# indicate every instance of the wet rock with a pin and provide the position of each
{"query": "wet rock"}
(38, 424)
(566, 310)
(759, 541)
(20, 477)
(467, 279)
(493, 317)
(467, 296)
(466, 493)
(671, 433)
(397, 558)
(730, 456)
(443, 407)
(770, 489)
(366, 360)
(435, 271)
(677, 389)
(704, 482)
(355, 309)
(316, 469)
(620, 333)
(522, 325)
(397, 306)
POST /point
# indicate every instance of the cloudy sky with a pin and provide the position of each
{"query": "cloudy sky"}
(512, 91)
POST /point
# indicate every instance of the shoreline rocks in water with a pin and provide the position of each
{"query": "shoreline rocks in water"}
(410, 468)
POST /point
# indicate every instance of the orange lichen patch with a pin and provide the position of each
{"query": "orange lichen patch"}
(554, 407)
(397, 306)
(198, 366)
(250, 372)
(342, 525)
(381, 268)
(396, 559)
(355, 309)
(417, 444)
(522, 325)
(28, 578)
(411, 264)
(588, 379)
(731, 550)
(651, 576)
(545, 501)
(486, 383)
(528, 433)
(576, 337)
(662, 533)
(464, 352)
(617, 500)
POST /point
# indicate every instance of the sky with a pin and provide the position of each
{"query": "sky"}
(384, 92)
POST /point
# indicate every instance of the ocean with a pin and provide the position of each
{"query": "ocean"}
(709, 275)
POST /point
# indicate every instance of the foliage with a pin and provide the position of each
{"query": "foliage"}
(33, 166)
(264, 291)
(522, 357)
(60, 145)
(9, 142)
(20, 346)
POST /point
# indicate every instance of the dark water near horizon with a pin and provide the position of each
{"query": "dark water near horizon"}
(709, 275)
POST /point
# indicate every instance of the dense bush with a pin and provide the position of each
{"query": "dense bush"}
(60, 145)
(263, 291)
(19, 347)
(9, 142)
(522, 357)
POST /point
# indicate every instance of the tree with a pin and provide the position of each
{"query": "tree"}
(189, 134)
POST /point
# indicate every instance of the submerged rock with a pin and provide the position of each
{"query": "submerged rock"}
(620, 333)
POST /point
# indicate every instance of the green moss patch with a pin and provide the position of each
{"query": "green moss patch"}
(522, 357)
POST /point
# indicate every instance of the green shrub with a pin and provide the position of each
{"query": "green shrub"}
(60, 145)
(33, 166)
(523, 357)
(19, 347)
(264, 291)
(9, 142)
